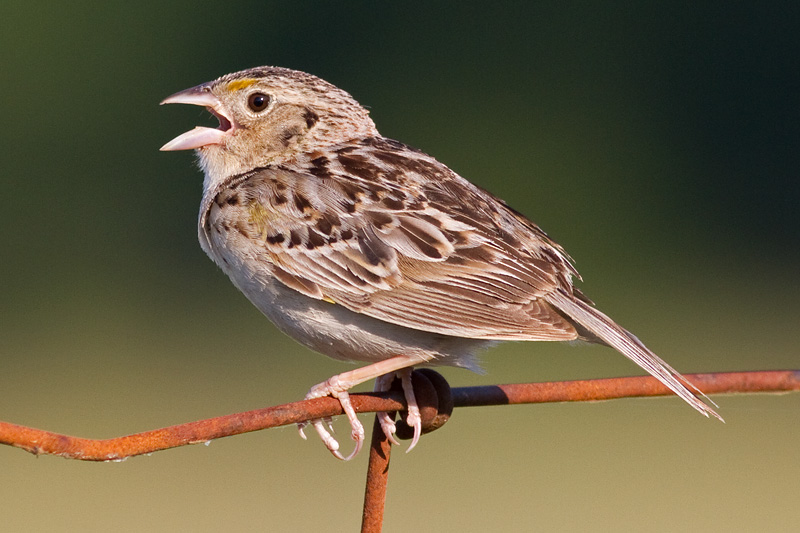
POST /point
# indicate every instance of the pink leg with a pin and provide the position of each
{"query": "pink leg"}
(338, 385)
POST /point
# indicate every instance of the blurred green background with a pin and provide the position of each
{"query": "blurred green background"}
(657, 142)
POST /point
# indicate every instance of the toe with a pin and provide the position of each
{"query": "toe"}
(388, 426)
(414, 420)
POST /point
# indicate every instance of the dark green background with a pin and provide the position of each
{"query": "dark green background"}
(657, 143)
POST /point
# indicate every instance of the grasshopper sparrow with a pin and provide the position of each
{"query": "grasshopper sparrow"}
(365, 249)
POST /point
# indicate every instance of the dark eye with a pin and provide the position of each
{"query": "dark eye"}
(258, 102)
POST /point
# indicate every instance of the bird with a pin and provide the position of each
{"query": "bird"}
(365, 249)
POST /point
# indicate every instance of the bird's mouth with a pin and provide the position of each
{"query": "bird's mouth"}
(201, 136)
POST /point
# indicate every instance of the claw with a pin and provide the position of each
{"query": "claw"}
(356, 449)
(414, 419)
(416, 423)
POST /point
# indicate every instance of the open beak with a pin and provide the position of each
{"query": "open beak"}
(200, 136)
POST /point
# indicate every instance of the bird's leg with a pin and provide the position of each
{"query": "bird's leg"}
(337, 386)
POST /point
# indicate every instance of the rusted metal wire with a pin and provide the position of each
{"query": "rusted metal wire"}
(629, 387)
(377, 479)
(39, 442)
(436, 402)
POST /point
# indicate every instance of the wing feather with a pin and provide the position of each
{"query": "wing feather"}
(430, 254)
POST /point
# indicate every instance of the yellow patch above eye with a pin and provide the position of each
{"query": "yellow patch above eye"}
(238, 85)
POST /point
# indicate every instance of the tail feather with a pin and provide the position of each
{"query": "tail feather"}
(627, 344)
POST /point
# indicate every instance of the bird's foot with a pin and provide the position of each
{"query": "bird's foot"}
(334, 387)
(414, 420)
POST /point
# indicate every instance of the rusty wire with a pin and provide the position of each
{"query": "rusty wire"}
(41, 442)
(377, 479)
(436, 401)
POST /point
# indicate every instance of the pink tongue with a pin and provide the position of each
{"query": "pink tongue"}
(195, 138)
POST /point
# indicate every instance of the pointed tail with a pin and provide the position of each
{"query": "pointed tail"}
(627, 344)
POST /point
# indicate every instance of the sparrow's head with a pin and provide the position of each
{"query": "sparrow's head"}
(267, 115)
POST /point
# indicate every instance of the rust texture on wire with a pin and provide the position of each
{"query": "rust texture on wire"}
(41, 442)
(377, 479)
